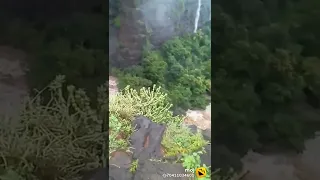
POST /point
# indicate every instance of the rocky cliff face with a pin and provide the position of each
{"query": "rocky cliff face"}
(168, 18)
(131, 35)
(135, 24)
(126, 35)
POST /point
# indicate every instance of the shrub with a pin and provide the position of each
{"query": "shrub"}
(153, 104)
(56, 140)
(116, 129)
(193, 161)
(178, 139)
(148, 102)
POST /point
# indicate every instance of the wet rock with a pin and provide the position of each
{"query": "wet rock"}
(146, 140)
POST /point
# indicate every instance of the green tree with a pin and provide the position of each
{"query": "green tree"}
(154, 67)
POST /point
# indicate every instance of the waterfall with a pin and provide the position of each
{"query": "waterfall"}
(197, 17)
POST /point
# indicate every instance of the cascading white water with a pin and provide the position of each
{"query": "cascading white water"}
(197, 17)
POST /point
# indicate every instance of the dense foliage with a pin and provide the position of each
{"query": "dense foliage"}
(264, 71)
(182, 66)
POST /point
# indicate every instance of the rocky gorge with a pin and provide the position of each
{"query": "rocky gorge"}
(140, 24)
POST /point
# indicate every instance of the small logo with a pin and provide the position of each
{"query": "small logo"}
(201, 172)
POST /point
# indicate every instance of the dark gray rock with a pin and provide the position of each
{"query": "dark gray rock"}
(206, 157)
(116, 173)
(146, 140)
(141, 122)
(152, 170)
(193, 128)
(207, 134)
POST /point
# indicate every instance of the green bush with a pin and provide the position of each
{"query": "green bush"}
(150, 102)
(178, 139)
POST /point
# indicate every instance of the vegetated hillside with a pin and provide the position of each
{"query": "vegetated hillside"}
(135, 24)
(264, 64)
(164, 49)
(182, 66)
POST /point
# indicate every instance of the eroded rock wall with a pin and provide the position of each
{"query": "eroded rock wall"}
(128, 33)
(137, 24)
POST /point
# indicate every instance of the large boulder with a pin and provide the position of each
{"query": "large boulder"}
(147, 138)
